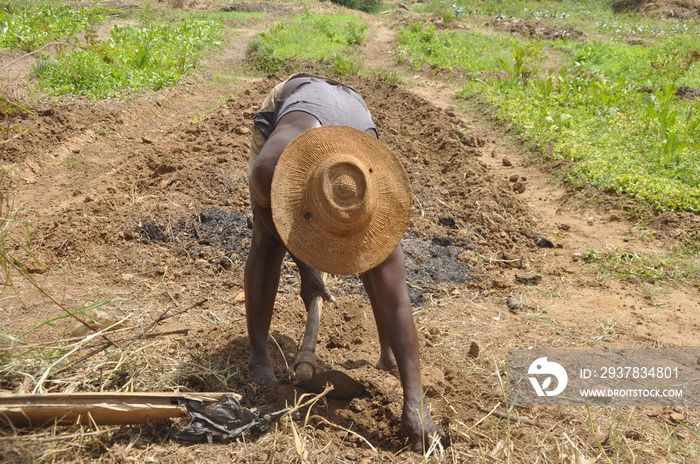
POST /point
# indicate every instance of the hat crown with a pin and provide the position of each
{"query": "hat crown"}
(341, 200)
(342, 195)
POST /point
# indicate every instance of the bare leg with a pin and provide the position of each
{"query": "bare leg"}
(386, 362)
(392, 311)
(262, 274)
(262, 271)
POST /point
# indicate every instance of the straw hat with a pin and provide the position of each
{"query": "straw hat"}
(341, 200)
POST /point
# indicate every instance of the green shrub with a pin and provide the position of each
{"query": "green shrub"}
(368, 6)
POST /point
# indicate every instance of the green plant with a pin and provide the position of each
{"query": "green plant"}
(673, 135)
(525, 60)
(73, 161)
(447, 49)
(680, 265)
(391, 76)
(591, 256)
(33, 25)
(130, 59)
(321, 38)
(447, 11)
(368, 6)
(344, 65)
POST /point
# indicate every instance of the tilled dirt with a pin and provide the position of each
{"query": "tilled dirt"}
(147, 201)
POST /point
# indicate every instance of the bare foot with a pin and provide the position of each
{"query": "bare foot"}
(388, 363)
(421, 432)
(262, 375)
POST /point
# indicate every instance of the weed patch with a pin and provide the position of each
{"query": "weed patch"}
(678, 266)
(323, 38)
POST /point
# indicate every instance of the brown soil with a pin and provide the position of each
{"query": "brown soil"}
(537, 29)
(684, 9)
(146, 201)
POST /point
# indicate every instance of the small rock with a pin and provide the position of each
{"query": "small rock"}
(500, 283)
(240, 298)
(677, 417)
(519, 187)
(335, 342)
(357, 405)
(474, 350)
(633, 434)
(564, 227)
(512, 303)
(447, 221)
(543, 243)
(506, 162)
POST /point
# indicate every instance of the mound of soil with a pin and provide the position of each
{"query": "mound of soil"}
(270, 8)
(682, 9)
(537, 29)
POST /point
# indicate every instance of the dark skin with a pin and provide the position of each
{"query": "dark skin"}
(385, 286)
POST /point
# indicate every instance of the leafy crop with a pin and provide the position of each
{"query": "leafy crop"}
(31, 26)
(610, 109)
(132, 58)
(323, 38)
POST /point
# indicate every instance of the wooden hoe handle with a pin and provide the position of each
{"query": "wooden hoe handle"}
(305, 361)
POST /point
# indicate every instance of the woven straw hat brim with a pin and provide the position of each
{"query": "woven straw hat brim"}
(341, 200)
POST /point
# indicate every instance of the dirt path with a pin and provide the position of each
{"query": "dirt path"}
(146, 201)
